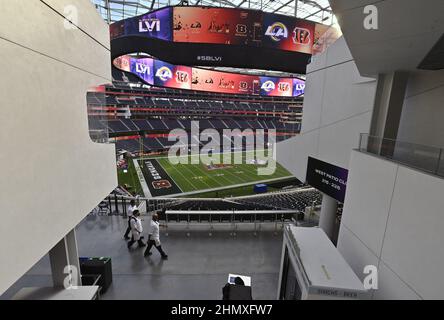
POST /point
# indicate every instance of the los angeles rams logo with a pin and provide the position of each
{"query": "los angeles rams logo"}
(164, 74)
(277, 31)
(268, 86)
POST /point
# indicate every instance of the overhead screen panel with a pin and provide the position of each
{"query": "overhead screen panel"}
(156, 24)
(217, 26)
(244, 27)
(162, 74)
(288, 33)
(273, 86)
(143, 68)
(211, 36)
(224, 82)
(228, 26)
(172, 76)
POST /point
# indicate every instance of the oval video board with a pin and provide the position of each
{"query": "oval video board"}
(228, 37)
(162, 74)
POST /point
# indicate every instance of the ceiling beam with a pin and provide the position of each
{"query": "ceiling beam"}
(283, 6)
(131, 7)
(317, 5)
(243, 1)
(231, 4)
(108, 11)
(315, 13)
(129, 3)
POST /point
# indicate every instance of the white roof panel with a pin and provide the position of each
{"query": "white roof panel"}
(323, 264)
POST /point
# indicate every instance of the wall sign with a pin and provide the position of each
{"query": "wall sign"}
(327, 178)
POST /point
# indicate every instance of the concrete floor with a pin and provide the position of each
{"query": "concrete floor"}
(197, 268)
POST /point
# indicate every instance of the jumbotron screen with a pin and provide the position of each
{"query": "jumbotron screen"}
(156, 24)
(159, 73)
(224, 82)
(217, 25)
(225, 26)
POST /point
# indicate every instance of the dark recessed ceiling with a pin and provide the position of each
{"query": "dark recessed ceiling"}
(435, 58)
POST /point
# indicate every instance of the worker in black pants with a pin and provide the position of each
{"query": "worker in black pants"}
(154, 238)
(136, 230)
(130, 210)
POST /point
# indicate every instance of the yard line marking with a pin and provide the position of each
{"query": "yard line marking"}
(226, 188)
(185, 178)
(169, 176)
(195, 174)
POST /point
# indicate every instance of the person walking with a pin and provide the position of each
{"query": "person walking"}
(136, 230)
(130, 210)
(154, 238)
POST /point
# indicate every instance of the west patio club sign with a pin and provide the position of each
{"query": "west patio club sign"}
(327, 178)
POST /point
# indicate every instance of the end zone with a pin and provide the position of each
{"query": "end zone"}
(157, 179)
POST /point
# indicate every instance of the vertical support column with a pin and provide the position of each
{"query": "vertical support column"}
(108, 11)
(327, 220)
(64, 259)
(387, 112)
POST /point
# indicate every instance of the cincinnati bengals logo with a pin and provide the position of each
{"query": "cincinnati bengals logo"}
(241, 29)
(243, 85)
(301, 36)
(162, 184)
(181, 77)
(284, 87)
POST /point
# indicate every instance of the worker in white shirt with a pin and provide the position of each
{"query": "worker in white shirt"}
(136, 230)
(130, 211)
(154, 238)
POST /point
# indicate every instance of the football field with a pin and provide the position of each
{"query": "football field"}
(164, 178)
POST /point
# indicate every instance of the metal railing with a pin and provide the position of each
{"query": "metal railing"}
(422, 157)
(117, 205)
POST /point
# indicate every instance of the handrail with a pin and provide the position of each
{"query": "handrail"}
(119, 201)
(418, 156)
(297, 190)
(399, 141)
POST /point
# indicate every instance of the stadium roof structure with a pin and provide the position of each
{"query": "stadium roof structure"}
(314, 10)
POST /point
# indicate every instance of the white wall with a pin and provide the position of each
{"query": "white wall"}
(422, 116)
(407, 30)
(338, 107)
(393, 219)
(52, 173)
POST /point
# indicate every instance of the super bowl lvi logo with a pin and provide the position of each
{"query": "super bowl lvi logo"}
(301, 36)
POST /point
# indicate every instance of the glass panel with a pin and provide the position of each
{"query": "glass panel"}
(97, 115)
(426, 158)
(290, 286)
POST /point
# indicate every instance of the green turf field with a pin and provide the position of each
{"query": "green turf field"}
(238, 191)
(130, 179)
(196, 177)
